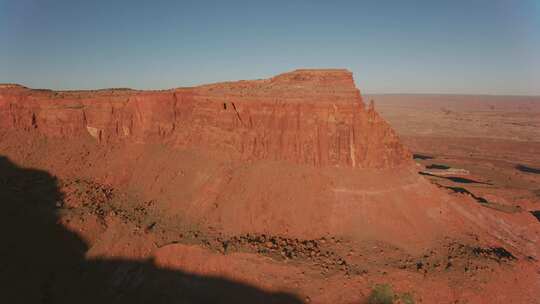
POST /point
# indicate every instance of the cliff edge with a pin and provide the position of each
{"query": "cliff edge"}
(314, 117)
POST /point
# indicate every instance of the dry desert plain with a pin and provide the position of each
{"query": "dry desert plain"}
(494, 139)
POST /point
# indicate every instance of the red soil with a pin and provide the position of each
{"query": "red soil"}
(286, 189)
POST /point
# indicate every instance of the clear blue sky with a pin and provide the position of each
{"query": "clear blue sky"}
(468, 46)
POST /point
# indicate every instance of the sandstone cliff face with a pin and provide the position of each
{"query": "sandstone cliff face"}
(314, 117)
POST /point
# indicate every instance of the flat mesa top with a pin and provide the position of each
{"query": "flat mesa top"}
(331, 70)
(339, 79)
(11, 86)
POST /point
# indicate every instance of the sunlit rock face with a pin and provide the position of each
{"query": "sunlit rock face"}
(314, 117)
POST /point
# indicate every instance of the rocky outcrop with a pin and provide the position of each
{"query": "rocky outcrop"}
(314, 117)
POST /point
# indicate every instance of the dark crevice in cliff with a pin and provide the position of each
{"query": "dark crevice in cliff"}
(84, 118)
(237, 113)
(175, 113)
(34, 122)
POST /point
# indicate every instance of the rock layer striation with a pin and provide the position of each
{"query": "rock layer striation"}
(314, 117)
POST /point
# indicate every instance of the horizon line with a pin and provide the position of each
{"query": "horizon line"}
(12, 84)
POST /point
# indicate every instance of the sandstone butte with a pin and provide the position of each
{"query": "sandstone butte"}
(297, 156)
(313, 117)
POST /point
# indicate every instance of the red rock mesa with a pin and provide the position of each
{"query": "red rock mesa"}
(314, 117)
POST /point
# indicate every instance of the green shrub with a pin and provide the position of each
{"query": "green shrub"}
(384, 294)
(381, 294)
(406, 298)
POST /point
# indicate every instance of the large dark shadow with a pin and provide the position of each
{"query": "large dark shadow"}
(42, 262)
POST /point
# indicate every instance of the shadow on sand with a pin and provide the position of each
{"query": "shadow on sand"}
(42, 262)
(455, 179)
(422, 156)
(526, 169)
